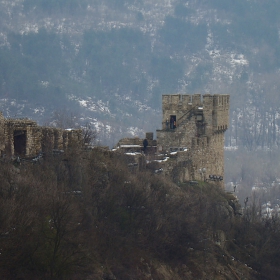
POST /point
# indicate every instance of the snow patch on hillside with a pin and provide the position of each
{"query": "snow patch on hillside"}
(91, 105)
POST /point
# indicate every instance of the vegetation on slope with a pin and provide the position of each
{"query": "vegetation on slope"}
(86, 215)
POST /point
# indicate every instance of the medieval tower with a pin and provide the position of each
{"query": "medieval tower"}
(194, 126)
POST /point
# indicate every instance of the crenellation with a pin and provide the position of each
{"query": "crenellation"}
(191, 138)
(173, 101)
(196, 100)
(200, 127)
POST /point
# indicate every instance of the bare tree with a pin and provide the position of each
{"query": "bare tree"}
(89, 135)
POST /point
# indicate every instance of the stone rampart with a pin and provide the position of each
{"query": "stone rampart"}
(190, 145)
(25, 138)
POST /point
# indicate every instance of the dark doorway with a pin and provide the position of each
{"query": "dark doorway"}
(20, 142)
(172, 121)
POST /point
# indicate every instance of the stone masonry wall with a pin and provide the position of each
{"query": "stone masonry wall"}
(194, 142)
(190, 145)
(25, 138)
(200, 125)
(29, 131)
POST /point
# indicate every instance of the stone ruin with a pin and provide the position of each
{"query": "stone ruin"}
(188, 147)
(25, 138)
(190, 144)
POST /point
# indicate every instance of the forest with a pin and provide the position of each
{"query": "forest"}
(87, 215)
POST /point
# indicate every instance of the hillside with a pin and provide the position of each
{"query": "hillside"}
(87, 216)
(105, 65)
(109, 62)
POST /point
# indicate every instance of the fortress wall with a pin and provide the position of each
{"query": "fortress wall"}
(201, 131)
(208, 153)
(172, 101)
(178, 167)
(164, 139)
(200, 156)
(130, 141)
(58, 139)
(208, 113)
(196, 100)
(185, 101)
(65, 139)
(24, 137)
(221, 112)
(215, 108)
(47, 139)
(75, 137)
(21, 137)
(136, 144)
(175, 104)
(7, 140)
(177, 138)
(216, 112)
(33, 145)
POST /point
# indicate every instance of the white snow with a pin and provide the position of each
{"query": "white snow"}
(130, 146)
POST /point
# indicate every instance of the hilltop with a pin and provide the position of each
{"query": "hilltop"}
(85, 215)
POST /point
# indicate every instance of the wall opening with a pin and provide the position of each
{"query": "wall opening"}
(20, 142)
(172, 121)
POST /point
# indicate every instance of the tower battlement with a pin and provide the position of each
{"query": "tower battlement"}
(196, 122)
(213, 108)
(192, 137)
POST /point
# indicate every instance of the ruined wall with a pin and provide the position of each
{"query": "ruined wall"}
(59, 139)
(220, 112)
(136, 144)
(23, 137)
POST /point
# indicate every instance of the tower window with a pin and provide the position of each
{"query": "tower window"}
(173, 121)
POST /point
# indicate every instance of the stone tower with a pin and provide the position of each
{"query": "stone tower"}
(194, 126)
